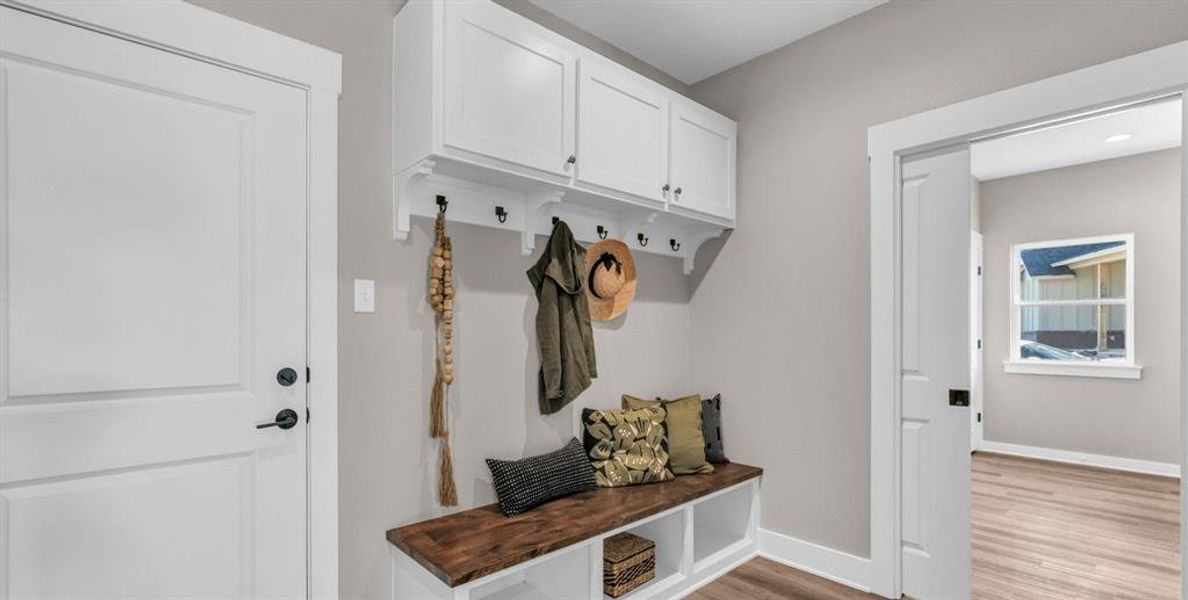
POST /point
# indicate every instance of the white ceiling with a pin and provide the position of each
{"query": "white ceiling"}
(694, 39)
(1154, 127)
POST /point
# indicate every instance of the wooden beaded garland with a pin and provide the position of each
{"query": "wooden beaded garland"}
(441, 294)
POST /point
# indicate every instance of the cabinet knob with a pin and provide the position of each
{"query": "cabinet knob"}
(677, 191)
(666, 188)
(572, 159)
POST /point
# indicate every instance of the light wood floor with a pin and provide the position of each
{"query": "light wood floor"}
(1041, 531)
(1050, 530)
(763, 579)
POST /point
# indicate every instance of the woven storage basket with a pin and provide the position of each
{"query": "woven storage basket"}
(628, 561)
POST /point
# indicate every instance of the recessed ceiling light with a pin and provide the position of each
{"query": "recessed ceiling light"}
(1119, 137)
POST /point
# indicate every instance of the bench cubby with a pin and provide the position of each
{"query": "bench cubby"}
(670, 533)
(565, 575)
(720, 525)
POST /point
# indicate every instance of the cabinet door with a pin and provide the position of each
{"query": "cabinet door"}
(702, 165)
(509, 89)
(622, 131)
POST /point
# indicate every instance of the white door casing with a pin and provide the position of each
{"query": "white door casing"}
(154, 283)
(702, 161)
(1158, 73)
(622, 131)
(935, 354)
(509, 93)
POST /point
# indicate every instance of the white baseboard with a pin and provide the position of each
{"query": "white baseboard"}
(1082, 458)
(835, 565)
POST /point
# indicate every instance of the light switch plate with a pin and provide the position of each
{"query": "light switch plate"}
(364, 296)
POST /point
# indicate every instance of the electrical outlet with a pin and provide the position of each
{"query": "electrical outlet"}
(364, 296)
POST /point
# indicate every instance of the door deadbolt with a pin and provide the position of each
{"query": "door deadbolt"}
(286, 376)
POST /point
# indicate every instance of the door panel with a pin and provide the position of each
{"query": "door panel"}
(622, 131)
(153, 283)
(66, 539)
(702, 167)
(509, 93)
(43, 440)
(935, 357)
(89, 259)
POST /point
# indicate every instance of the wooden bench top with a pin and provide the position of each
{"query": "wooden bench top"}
(465, 546)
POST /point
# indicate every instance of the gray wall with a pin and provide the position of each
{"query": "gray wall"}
(385, 460)
(792, 359)
(1115, 417)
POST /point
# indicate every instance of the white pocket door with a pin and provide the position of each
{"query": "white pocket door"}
(622, 131)
(509, 91)
(153, 286)
(935, 354)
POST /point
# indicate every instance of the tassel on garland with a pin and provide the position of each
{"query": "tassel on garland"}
(437, 428)
(441, 298)
(447, 493)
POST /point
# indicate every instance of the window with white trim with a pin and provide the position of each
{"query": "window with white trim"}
(1073, 307)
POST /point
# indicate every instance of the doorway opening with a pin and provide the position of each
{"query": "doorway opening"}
(1075, 353)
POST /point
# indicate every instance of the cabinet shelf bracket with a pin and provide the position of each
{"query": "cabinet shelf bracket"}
(406, 185)
(537, 207)
(693, 242)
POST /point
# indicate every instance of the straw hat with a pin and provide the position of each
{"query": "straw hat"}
(610, 279)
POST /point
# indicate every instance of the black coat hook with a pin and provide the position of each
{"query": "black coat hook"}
(602, 232)
(442, 203)
(501, 214)
(675, 245)
(643, 241)
(556, 220)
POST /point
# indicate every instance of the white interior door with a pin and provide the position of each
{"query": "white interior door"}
(152, 285)
(509, 92)
(622, 131)
(935, 359)
(702, 164)
(975, 341)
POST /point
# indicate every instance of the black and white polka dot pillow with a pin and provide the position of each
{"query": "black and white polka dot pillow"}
(524, 484)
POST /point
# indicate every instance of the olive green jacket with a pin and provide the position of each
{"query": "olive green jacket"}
(562, 321)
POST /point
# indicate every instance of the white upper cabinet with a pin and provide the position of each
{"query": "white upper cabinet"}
(622, 131)
(702, 163)
(511, 124)
(509, 92)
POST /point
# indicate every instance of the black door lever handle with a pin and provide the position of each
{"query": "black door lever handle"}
(285, 419)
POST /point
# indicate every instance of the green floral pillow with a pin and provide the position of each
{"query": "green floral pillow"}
(626, 447)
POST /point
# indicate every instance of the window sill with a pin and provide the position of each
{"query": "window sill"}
(1073, 369)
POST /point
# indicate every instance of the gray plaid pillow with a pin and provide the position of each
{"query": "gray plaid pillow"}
(711, 429)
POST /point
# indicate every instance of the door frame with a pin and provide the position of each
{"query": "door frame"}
(1155, 73)
(188, 30)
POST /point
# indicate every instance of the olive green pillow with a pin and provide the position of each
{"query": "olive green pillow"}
(626, 447)
(686, 444)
